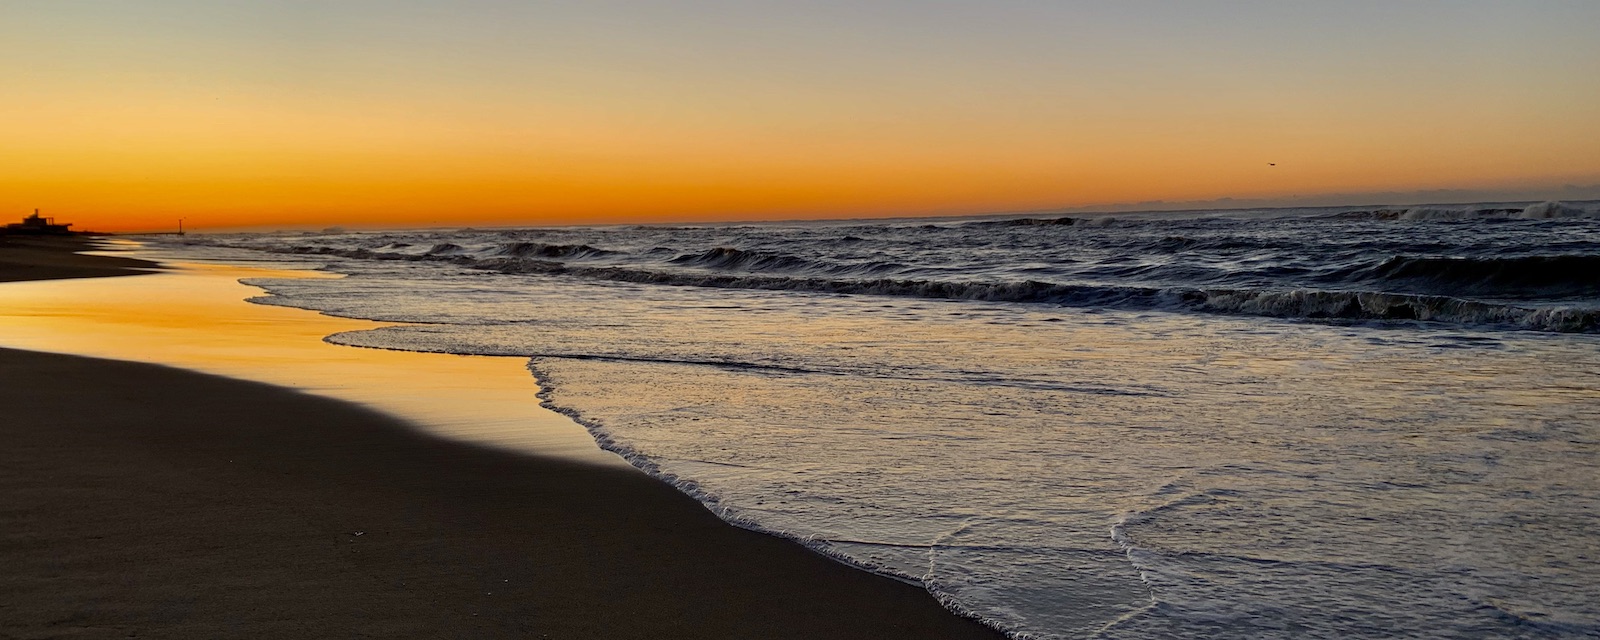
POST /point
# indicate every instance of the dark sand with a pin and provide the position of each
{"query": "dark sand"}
(52, 258)
(144, 501)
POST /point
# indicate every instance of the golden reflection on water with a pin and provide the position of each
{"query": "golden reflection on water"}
(193, 316)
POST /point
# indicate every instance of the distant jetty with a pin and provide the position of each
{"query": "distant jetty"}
(35, 225)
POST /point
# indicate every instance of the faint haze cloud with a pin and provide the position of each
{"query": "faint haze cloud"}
(1426, 196)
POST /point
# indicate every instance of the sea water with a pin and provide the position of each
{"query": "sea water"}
(1294, 423)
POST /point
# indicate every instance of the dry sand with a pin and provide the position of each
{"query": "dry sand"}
(145, 501)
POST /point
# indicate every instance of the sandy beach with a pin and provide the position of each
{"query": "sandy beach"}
(141, 500)
(55, 257)
(615, 319)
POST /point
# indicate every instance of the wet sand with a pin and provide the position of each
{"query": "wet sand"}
(53, 257)
(144, 500)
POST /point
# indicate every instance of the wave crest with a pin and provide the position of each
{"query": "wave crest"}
(742, 259)
(1541, 211)
(1518, 277)
(537, 249)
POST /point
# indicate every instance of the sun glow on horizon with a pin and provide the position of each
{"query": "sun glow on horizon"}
(127, 116)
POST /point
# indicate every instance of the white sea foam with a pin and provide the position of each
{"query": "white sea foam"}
(1107, 470)
(1540, 211)
(1548, 210)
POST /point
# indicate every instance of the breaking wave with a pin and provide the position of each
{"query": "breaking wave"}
(1517, 277)
(535, 249)
(1362, 265)
(1540, 211)
(1014, 433)
(1571, 275)
(732, 258)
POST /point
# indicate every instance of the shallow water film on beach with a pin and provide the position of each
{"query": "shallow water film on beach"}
(1313, 423)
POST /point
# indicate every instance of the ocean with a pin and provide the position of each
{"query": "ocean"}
(1331, 422)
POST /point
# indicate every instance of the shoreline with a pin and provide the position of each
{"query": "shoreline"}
(128, 510)
(28, 258)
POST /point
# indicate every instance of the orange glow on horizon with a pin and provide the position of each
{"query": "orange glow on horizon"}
(354, 170)
(454, 118)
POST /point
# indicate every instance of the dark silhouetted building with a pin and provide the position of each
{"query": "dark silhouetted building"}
(35, 225)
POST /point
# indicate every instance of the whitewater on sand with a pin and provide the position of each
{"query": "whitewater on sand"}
(1266, 423)
(146, 500)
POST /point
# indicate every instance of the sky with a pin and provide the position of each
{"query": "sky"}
(129, 114)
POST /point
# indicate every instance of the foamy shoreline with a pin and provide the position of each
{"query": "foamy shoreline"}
(362, 524)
